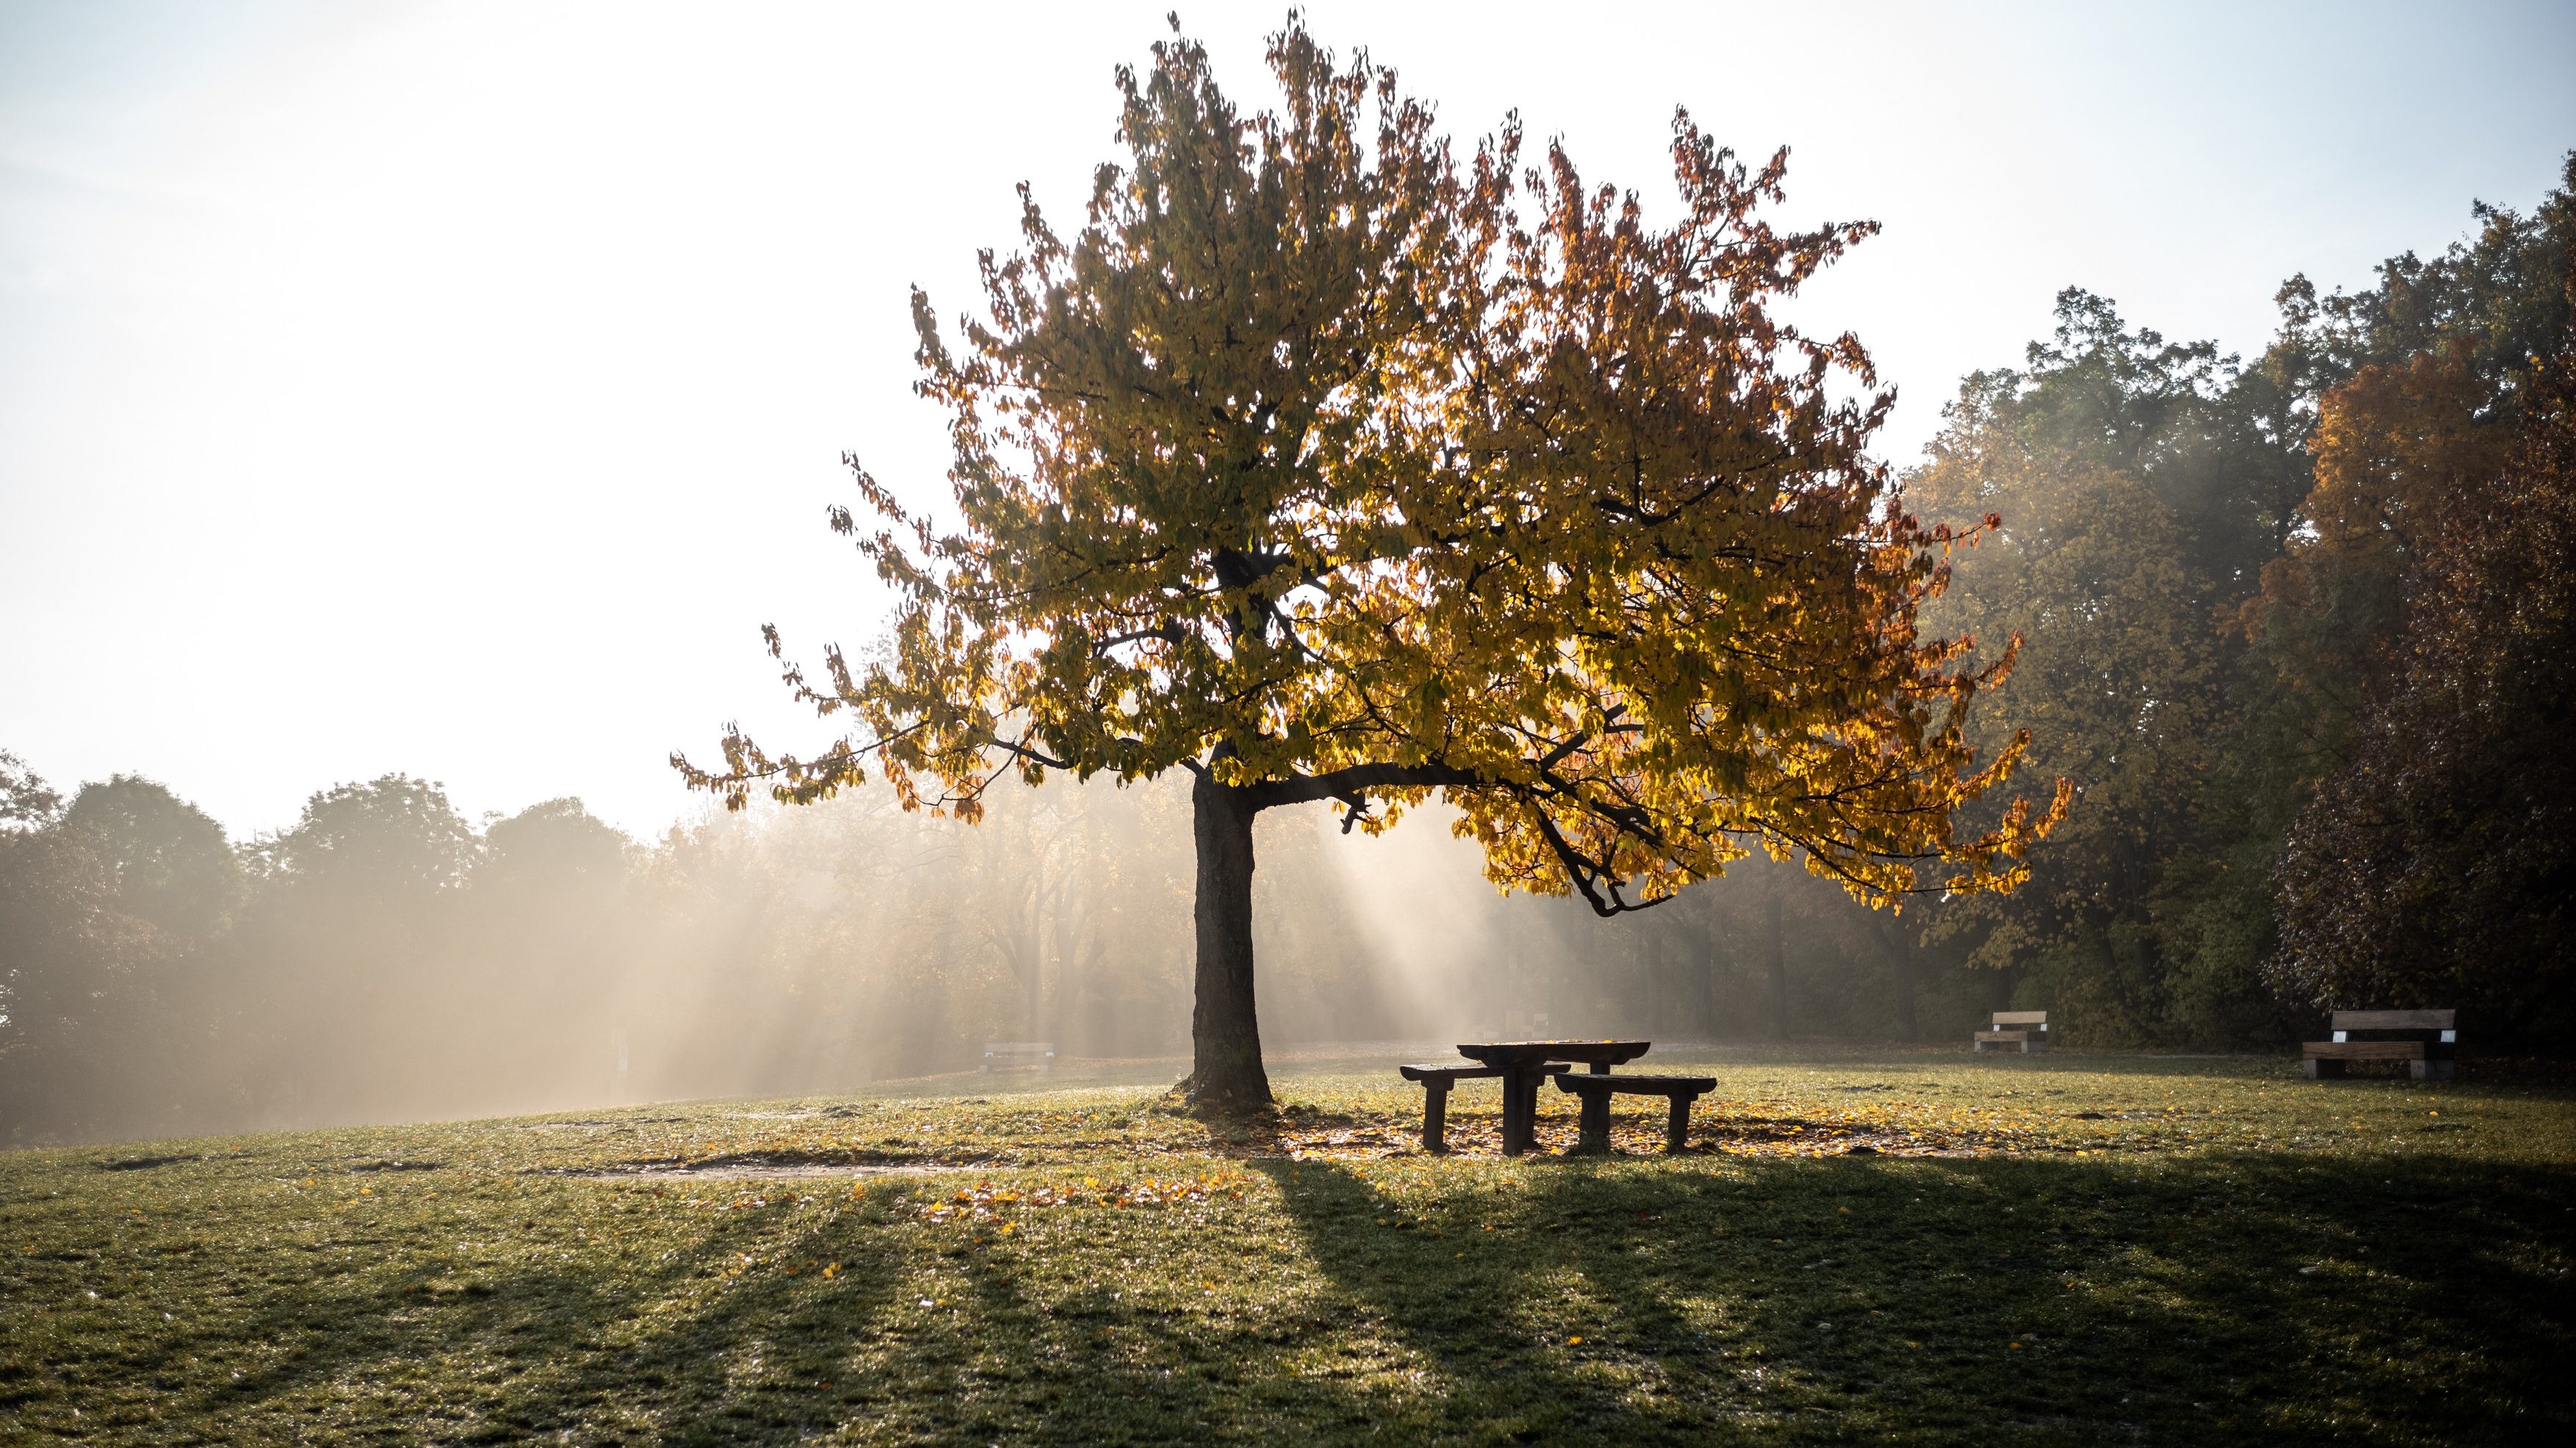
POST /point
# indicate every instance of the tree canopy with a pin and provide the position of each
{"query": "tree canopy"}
(1324, 464)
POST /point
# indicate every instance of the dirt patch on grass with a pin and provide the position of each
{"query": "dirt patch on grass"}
(769, 1166)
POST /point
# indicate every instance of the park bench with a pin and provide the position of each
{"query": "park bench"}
(1000, 1055)
(2025, 1029)
(1597, 1088)
(1436, 1079)
(2424, 1040)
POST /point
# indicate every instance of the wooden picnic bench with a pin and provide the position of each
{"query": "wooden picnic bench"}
(2424, 1040)
(1596, 1089)
(1005, 1054)
(1528, 1063)
(1521, 1066)
(2027, 1030)
(1436, 1079)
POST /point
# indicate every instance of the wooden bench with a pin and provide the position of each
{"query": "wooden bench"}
(1596, 1089)
(1436, 1079)
(2027, 1030)
(2424, 1040)
(999, 1055)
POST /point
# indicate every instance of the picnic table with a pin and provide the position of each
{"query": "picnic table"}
(1523, 1066)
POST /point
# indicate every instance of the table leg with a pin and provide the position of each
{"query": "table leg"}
(1520, 1109)
(1435, 1116)
(1594, 1124)
(1677, 1124)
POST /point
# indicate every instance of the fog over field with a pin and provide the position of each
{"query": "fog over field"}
(387, 960)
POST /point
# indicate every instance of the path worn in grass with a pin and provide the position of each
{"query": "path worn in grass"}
(2057, 1250)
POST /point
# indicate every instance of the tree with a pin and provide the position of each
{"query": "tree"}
(552, 850)
(2392, 444)
(2414, 391)
(97, 904)
(2137, 498)
(173, 865)
(2435, 864)
(1312, 468)
(26, 801)
(392, 839)
(345, 950)
(549, 927)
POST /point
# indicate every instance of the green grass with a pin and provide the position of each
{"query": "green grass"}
(2058, 1249)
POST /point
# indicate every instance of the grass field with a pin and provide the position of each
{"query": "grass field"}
(1916, 1247)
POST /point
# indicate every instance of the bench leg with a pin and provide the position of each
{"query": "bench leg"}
(1435, 1116)
(2318, 1070)
(1677, 1125)
(2429, 1070)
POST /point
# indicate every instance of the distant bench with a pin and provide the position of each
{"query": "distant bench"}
(2026, 1030)
(1001, 1055)
(1596, 1089)
(2424, 1040)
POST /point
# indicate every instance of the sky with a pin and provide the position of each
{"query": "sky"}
(455, 389)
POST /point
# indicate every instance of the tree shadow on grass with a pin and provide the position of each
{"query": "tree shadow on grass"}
(671, 1351)
(2072, 1299)
(1098, 1364)
(2393, 1297)
(545, 1351)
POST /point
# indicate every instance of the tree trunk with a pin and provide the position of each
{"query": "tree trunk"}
(1708, 1012)
(1226, 1076)
(1904, 976)
(1654, 956)
(1037, 954)
(1776, 961)
(1714, 963)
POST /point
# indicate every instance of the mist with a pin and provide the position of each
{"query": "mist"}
(386, 959)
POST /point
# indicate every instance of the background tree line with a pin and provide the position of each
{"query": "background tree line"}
(2299, 629)
(386, 958)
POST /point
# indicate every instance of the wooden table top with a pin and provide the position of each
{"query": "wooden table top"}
(1535, 1053)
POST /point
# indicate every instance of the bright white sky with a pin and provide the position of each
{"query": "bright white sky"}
(456, 388)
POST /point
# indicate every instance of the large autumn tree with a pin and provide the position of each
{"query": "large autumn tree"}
(1325, 464)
